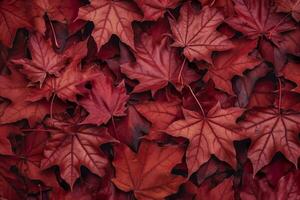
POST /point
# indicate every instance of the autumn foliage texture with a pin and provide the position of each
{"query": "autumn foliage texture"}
(149, 99)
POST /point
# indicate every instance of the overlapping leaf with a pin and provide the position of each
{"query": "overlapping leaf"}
(256, 17)
(111, 17)
(230, 63)
(208, 134)
(272, 130)
(71, 145)
(13, 15)
(147, 173)
(44, 60)
(196, 32)
(104, 101)
(157, 65)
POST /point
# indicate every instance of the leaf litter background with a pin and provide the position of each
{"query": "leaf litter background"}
(149, 99)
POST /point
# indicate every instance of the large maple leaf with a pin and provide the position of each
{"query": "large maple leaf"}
(196, 32)
(111, 17)
(154, 9)
(72, 145)
(15, 88)
(290, 6)
(230, 63)
(104, 101)
(272, 130)
(212, 133)
(44, 60)
(157, 65)
(13, 15)
(147, 173)
(292, 72)
(257, 17)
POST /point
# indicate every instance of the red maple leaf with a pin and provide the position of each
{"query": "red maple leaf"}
(111, 17)
(15, 88)
(157, 65)
(211, 133)
(257, 17)
(44, 60)
(230, 63)
(104, 101)
(147, 174)
(272, 130)
(13, 16)
(72, 145)
(66, 85)
(196, 32)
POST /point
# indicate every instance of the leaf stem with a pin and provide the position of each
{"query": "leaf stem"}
(179, 78)
(53, 32)
(171, 15)
(51, 105)
(114, 126)
(280, 95)
(199, 104)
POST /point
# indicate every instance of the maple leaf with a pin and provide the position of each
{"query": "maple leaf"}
(212, 133)
(66, 85)
(13, 15)
(104, 101)
(72, 145)
(14, 87)
(29, 153)
(196, 32)
(271, 130)
(111, 17)
(154, 9)
(289, 6)
(292, 72)
(156, 66)
(44, 60)
(147, 174)
(256, 18)
(230, 63)
(160, 113)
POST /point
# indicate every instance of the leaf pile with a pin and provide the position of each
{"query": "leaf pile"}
(149, 99)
